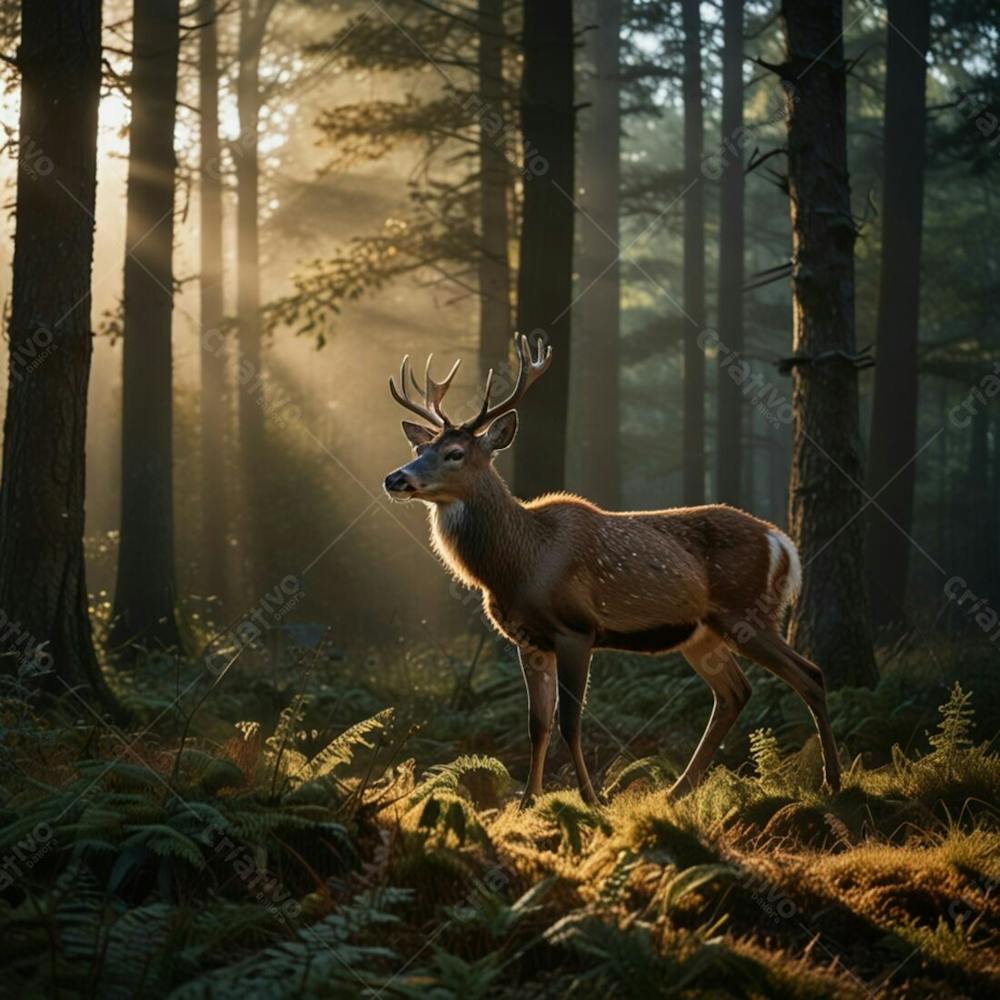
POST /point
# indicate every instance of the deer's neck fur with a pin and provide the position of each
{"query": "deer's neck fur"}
(487, 540)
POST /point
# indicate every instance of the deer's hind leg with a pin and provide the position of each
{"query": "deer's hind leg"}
(766, 647)
(714, 664)
(573, 667)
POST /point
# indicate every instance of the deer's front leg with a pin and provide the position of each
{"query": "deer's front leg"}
(540, 679)
(573, 666)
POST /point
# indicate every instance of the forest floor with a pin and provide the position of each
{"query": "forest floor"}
(304, 853)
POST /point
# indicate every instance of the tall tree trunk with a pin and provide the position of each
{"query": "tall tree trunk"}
(146, 591)
(253, 24)
(894, 409)
(694, 258)
(596, 315)
(494, 262)
(977, 495)
(830, 622)
(730, 443)
(777, 475)
(213, 352)
(993, 512)
(43, 590)
(545, 274)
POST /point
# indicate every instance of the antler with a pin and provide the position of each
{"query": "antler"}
(433, 392)
(529, 368)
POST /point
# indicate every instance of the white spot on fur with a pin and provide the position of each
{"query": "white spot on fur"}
(777, 542)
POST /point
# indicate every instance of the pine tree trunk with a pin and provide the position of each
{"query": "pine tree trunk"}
(777, 475)
(213, 348)
(694, 259)
(494, 264)
(978, 514)
(830, 621)
(248, 297)
(993, 511)
(43, 590)
(545, 275)
(596, 314)
(146, 590)
(730, 443)
(894, 410)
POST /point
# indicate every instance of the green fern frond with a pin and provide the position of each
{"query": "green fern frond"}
(765, 755)
(165, 841)
(340, 751)
(572, 817)
(446, 777)
(954, 731)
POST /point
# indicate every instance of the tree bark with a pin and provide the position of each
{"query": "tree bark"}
(253, 24)
(494, 263)
(894, 408)
(146, 591)
(830, 621)
(694, 258)
(979, 516)
(730, 443)
(545, 274)
(596, 314)
(43, 590)
(213, 348)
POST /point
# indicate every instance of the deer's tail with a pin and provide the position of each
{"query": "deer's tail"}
(784, 574)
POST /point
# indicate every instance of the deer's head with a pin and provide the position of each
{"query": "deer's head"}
(451, 457)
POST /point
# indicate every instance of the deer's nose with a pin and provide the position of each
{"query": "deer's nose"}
(398, 482)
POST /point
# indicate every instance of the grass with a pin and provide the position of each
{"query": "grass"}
(328, 846)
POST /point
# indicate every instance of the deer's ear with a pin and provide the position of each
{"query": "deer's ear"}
(416, 434)
(500, 434)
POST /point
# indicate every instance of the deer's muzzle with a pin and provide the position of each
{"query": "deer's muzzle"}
(398, 483)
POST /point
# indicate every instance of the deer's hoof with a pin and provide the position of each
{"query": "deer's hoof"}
(831, 786)
(681, 787)
(527, 801)
(592, 798)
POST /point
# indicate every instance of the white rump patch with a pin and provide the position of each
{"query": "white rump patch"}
(789, 587)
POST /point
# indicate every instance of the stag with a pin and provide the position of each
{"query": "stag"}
(561, 577)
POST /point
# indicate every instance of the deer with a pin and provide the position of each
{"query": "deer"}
(561, 577)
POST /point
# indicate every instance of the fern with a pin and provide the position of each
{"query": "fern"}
(613, 888)
(954, 732)
(690, 880)
(623, 772)
(165, 842)
(454, 976)
(319, 960)
(277, 744)
(765, 755)
(446, 777)
(340, 751)
(491, 912)
(572, 817)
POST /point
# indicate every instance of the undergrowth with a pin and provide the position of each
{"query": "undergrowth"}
(304, 848)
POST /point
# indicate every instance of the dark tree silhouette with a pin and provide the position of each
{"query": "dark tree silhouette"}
(494, 264)
(545, 275)
(891, 466)
(694, 258)
(830, 621)
(213, 353)
(254, 18)
(596, 316)
(146, 590)
(730, 443)
(43, 591)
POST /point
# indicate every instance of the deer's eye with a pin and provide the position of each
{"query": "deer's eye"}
(454, 456)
